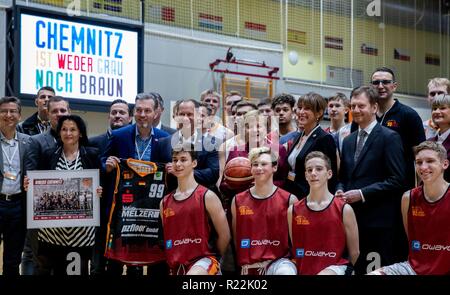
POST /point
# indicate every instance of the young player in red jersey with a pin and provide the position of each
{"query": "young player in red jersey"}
(323, 228)
(259, 220)
(192, 216)
(426, 217)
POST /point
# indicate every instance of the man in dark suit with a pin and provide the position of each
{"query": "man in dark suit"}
(12, 195)
(119, 116)
(371, 178)
(137, 141)
(57, 107)
(207, 171)
(158, 113)
(38, 122)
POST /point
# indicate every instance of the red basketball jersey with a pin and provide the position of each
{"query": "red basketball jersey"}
(186, 228)
(429, 234)
(318, 237)
(261, 227)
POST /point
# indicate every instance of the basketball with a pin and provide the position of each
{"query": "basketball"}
(237, 172)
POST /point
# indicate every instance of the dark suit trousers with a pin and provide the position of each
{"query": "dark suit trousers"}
(13, 230)
(377, 248)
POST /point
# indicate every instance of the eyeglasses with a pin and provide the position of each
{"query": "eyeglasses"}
(434, 93)
(4, 112)
(384, 82)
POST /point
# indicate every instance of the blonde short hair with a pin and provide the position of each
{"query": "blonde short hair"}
(256, 152)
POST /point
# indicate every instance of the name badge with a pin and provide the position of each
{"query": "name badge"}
(11, 175)
(291, 176)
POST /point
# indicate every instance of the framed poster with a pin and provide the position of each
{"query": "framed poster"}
(63, 198)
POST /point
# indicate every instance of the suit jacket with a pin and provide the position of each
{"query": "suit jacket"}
(30, 125)
(23, 150)
(379, 173)
(446, 144)
(319, 140)
(122, 143)
(207, 171)
(37, 145)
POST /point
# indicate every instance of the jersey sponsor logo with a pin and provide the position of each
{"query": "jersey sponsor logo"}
(300, 253)
(142, 183)
(169, 244)
(245, 243)
(245, 210)
(127, 198)
(127, 184)
(417, 211)
(417, 246)
(168, 212)
(158, 175)
(301, 220)
(392, 123)
(127, 175)
(187, 241)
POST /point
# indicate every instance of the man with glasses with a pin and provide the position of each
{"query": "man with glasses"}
(436, 86)
(12, 195)
(398, 117)
(407, 122)
(39, 121)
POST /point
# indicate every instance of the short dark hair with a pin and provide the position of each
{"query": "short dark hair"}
(370, 91)
(283, 98)
(384, 69)
(48, 88)
(117, 101)
(13, 99)
(149, 95)
(320, 155)
(190, 149)
(314, 101)
(84, 140)
(57, 99)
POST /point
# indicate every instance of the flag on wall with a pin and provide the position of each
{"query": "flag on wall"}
(295, 36)
(369, 49)
(255, 30)
(401, 54)
(209, 21)
(432, 59)
(334, 43)
(164, 13)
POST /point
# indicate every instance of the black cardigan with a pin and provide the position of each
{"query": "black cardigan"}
(89, 157)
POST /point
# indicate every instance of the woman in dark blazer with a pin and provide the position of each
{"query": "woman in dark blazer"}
(310, 110)
(55, 244)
